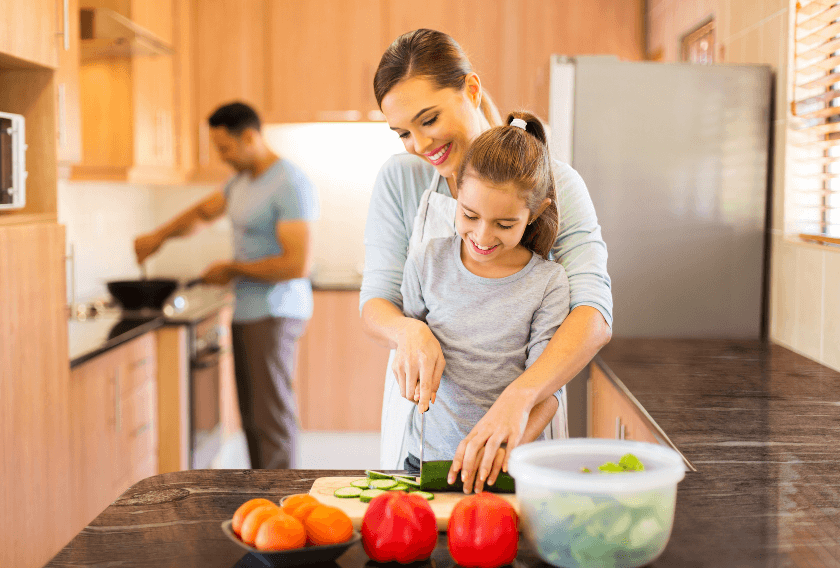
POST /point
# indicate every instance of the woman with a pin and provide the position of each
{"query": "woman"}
(433, 100)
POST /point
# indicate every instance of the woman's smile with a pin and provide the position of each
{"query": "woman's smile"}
(438, 156)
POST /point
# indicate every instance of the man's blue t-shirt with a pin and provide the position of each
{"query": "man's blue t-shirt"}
(255, 206)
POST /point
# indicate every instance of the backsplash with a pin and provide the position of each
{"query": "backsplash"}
(103, 218)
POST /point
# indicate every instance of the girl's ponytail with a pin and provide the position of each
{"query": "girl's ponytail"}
(518, 153)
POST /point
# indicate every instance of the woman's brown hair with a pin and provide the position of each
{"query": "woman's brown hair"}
(431, 54)
(510, 154)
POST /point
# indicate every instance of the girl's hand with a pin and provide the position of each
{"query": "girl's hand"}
(418, 364)
(486, 449)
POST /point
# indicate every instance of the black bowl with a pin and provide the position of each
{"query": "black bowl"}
(139, 294)
(297, 556)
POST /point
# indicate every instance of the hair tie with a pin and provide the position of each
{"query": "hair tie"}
(519, 123)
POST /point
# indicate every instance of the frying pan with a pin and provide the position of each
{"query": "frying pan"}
(140, 294)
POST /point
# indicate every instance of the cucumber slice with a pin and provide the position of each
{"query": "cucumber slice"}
(434, 475)
(369, 495)
(382, 483)
(424, 494)
(399, 487)
(361, 483)
(377, 475)
(411, 481)
(347, 492)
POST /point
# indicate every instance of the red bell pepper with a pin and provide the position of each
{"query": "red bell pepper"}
(483, 531)
(398, 526)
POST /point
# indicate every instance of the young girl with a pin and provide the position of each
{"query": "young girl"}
(488, 294)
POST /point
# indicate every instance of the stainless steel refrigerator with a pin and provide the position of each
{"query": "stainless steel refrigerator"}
(675, 157)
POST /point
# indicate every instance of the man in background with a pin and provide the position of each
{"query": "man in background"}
(271, 204)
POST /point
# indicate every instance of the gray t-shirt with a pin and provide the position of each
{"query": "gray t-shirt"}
(490, 330)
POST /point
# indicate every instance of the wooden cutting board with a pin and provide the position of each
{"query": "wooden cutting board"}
(442, 504)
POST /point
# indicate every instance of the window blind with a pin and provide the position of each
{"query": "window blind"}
(812, 197)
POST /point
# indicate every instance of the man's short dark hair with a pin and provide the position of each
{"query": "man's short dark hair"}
(235, 117)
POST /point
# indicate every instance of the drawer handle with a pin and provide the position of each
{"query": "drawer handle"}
(117, 405)
(618, 427)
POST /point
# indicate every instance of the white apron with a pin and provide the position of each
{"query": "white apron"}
(435, 219)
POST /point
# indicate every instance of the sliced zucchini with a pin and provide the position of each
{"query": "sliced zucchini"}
(362, 483)
(399, 487)
(348, 492)
(382, 484)
(369, 495)
(411, 481)
(377, 475)
(424, 494)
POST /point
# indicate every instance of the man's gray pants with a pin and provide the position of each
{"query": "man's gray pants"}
(264, 361)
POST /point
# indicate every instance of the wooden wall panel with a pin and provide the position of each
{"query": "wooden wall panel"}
(341, 370)
(34, 378)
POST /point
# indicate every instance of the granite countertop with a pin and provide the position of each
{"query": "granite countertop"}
(94, 336)
(759, 422)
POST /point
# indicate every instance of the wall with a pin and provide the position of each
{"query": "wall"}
(804, 278)
(342, 159)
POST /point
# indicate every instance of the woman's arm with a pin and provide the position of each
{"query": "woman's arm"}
(573, 345)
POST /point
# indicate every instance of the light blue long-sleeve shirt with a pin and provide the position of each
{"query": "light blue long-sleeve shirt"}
(396, 194)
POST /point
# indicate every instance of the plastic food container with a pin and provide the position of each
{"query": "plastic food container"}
(596, 520)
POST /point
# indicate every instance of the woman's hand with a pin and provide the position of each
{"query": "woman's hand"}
(418, 364)
(486, 449)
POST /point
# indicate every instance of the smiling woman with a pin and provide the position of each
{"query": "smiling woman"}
(437, 105)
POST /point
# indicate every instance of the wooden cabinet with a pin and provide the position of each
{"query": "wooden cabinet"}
(68, 114)
(35, 491)
(230, 65)
(340, 370)
(128, 104)
(321, 58)
(28, 30)
(612, 414)
(113, 425)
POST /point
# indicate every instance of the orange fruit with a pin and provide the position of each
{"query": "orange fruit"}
(291, 502)
(328, 525)
(243, 511)
(254, 519)
(280, 532)
(303, 510)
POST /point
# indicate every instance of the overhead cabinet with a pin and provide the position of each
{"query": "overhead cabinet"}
(127, 92)
(29, 30)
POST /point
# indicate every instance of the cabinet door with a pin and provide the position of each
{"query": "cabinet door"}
(321, 57)
(68, 115)
(93, 444)
(341, 370)
(612, 414)
(28, 30)
(35, 489)
(230, 54)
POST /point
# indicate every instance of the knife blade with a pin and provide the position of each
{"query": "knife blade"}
(422, 437)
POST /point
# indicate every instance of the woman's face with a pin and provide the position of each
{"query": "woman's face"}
(491, 221)
(435, 124)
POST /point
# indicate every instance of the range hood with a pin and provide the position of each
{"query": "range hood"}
(106, 33)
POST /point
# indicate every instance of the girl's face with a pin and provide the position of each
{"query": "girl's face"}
(435, 124)
(491, 221)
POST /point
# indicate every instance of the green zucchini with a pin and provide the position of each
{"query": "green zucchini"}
(377, 475)
(361, 483)
(399, 487)
(410, 481)
(382, 484)
(369, 495)
(424, 494)
(347, 492)
(433, 478)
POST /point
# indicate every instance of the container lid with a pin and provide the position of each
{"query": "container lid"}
(556, 464)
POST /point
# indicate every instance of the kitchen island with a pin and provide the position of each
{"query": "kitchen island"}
(759, 422)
